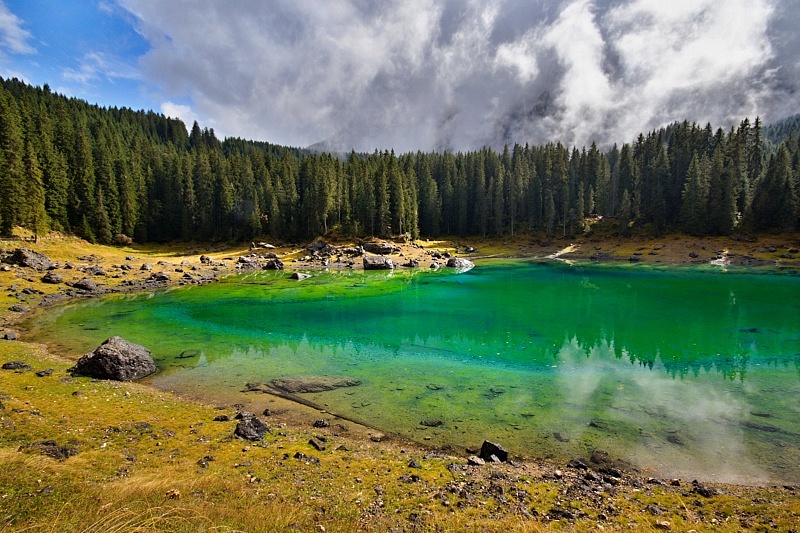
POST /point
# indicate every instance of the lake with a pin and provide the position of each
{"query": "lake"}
(683, 372)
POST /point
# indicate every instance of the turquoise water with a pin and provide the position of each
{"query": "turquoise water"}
(681, 372)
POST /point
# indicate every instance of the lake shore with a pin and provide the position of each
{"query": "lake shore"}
(581, 494)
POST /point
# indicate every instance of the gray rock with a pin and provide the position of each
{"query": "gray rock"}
(116, 359)
(52, 278)
(493, 452)
(380, 248)
(274, 264)
(95, 271)
(159, 277)
(300, 276)
(377, 262)
(460, 263)
(16, 308)
(15, 365)
(314, 383)
(85, 284)
(251, 428)
(25, 257)
(317, 444)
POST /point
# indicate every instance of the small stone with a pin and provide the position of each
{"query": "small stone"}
(414, 464)
(319, 446)
(663, 524)
(44, 373)
(377, 437)
(491, 452)
(474, 460)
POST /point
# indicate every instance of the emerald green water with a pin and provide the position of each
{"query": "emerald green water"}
(682, 372)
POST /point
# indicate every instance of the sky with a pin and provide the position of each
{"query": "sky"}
(416, 74)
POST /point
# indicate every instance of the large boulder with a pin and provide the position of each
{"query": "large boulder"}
(26, 257)
(460, 263)
(251, 428)
(116, 359)
(85, 284)
(377, 262)
(381, 248)
(52, 278)
(274, 264)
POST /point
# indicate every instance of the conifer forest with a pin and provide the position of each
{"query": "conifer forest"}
(105, 174)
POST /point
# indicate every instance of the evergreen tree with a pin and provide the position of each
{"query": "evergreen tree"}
(12, 170)
(34, 216)
(695, 196)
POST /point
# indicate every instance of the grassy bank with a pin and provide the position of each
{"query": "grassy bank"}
(83, 455)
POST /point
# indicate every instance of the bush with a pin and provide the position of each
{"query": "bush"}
(123, 240)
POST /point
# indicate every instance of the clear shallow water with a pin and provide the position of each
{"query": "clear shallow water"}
(681, 372)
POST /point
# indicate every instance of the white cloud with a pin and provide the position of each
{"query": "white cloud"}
(14, 37)
(96, 65)
(432, 74)
(183, 112)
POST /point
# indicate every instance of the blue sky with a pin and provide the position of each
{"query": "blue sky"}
(81, 48)
(416, 74)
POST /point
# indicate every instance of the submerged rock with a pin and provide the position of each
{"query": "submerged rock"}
(314, 383)
(116, 359)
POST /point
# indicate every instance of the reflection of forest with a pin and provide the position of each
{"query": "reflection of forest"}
(517, 315)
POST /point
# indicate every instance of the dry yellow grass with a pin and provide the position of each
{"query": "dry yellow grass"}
(149, 461)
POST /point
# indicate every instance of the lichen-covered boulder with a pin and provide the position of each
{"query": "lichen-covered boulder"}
(116, 359)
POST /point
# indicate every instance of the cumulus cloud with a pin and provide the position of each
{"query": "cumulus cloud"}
(452, 74)
(14, 37)
(180, 111)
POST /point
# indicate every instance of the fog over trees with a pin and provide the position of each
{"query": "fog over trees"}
(69, 166)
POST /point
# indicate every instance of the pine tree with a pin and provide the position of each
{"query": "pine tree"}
(11, 164)
(35, 215)
(695, 196)
(721, 195)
